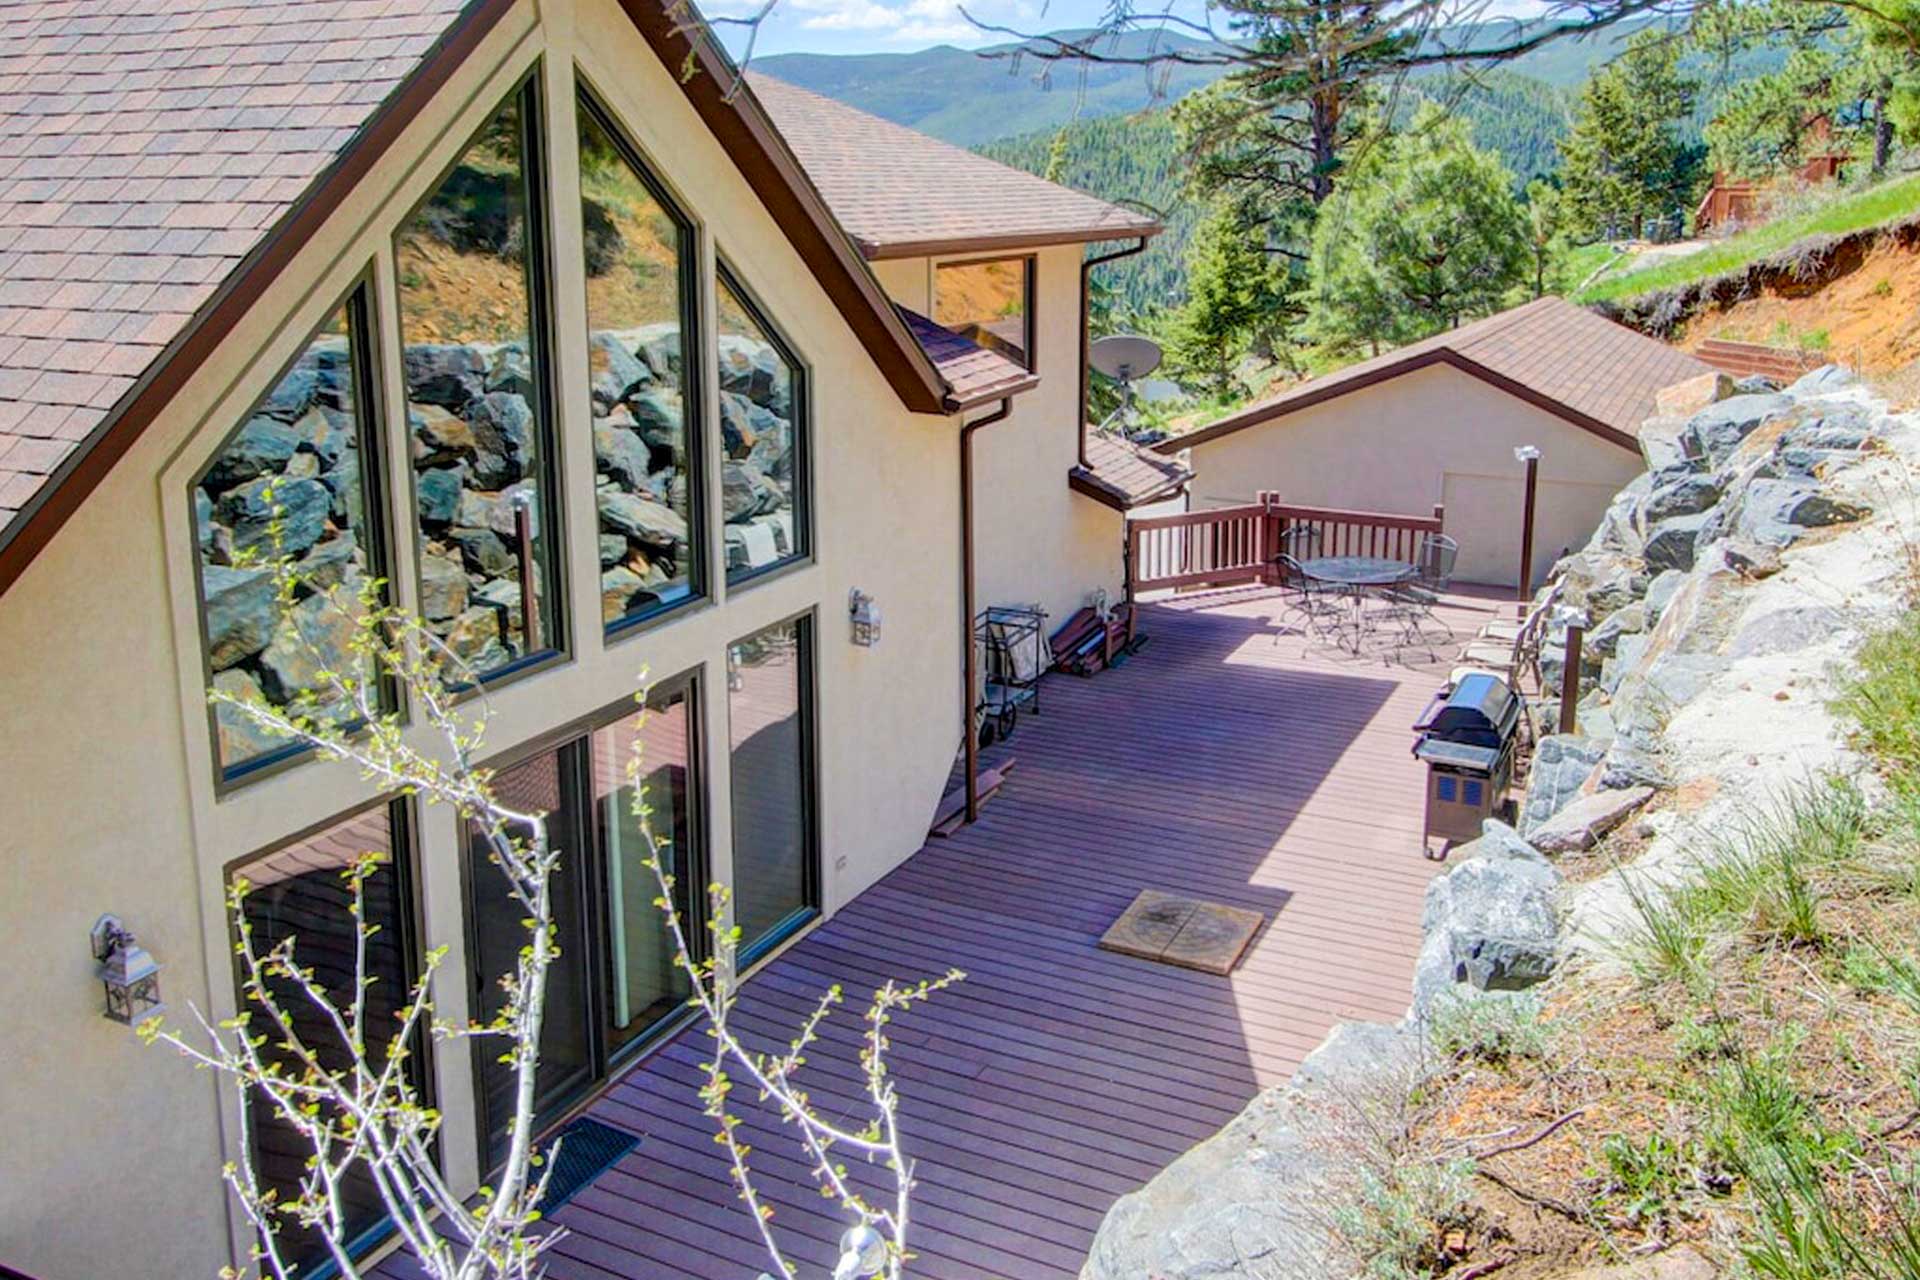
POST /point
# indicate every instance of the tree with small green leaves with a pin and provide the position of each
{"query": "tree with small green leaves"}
(314, 1058)
(1624, 166)
(1425, 234)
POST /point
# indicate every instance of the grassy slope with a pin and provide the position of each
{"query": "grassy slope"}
(1889, 202)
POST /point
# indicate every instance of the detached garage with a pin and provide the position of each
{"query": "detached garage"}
(1438, 421)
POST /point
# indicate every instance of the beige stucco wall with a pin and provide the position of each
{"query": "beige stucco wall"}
(112, 1151)
(1433, 435)
(1035, 539)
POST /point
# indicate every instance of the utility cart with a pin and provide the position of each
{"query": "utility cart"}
(1013, 657)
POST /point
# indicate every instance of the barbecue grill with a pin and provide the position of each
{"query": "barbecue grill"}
(1467, 739)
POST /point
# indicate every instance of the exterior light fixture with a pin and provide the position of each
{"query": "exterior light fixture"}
(127, 971)
(864, 615)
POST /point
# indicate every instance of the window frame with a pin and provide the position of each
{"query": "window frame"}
(556, 622)
(412, 922)
(694, 341)
(801, 423)
(359, 303)
(806, 624)
(1030, 274)
(573, 742)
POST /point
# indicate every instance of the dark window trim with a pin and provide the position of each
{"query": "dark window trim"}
(404, 838)
(574, 738)
(1030, 270)
(556, 649)
(801, 422)
(806, 624)
(693, 344)
(363, 344)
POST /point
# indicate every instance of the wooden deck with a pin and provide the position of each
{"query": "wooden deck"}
(1226, 761)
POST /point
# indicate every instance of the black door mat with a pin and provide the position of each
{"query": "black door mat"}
(588, 1149)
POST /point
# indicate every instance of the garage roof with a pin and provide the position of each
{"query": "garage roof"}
(1573, 363)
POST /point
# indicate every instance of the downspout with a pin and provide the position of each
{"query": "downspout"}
(972, 664)
(1086, 276)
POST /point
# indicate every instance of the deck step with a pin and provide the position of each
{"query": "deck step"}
(952, 813)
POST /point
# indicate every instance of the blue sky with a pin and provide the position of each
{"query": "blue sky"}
(901, 26)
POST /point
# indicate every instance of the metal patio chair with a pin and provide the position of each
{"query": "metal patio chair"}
(1323, 608)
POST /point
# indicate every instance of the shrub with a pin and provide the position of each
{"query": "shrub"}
(1396, 1224)
(1493, 1028)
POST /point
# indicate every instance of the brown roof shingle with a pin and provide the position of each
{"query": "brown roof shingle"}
(1569, 360)
(974, 375)
(146, 147)
(1124, 475)
(902, 194)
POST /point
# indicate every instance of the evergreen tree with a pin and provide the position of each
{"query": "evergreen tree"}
(1425, 233)
(1237, 299)
(1624, 165)
(1546, 237)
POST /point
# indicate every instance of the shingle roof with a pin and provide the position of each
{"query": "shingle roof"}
(1125, 475)
(145, 148)
(974, 374)
(1567, 359)
(902, 194)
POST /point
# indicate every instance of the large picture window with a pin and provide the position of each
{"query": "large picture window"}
(616, 984)
(640, 263)
(763, 414)
(294, 489)
(471, 263)
(990, 303)
(300, 892)
(770, 729)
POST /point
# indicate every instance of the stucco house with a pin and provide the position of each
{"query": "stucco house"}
(600, 373)
(1437, 422)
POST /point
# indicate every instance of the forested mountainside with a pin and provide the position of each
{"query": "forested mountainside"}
(1137, 157)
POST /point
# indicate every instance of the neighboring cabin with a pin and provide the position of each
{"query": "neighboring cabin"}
(1438, 421)
(568, 349)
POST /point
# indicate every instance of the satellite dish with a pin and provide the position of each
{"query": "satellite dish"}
(1125, 356)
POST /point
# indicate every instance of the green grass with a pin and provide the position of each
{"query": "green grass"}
(1887, 202)
(1583, 262)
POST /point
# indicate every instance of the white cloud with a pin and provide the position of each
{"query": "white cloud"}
(845, 15)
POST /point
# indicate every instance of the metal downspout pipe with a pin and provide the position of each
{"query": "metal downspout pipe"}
(1086, 276)
(967, 609)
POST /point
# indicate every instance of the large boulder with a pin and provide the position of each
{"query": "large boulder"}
(438, 491)
(1828, 377)
(1251, 1201)
(262, 446)
(241, 609)
(1682, 496)
(641, 519)
(445, 374)
(1690, 395)
(251, 512)
(1778, 512)
(1562, 763)
(503, 428)
(617, 372)
(622, 454)
(315, 637)
(1718, 431)
(443, 588)
(1671, 543)
(1491, 922)
(1583, 824)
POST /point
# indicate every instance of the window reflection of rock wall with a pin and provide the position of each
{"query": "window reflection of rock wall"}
(288, 484)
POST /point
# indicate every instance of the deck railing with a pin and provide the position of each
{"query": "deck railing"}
(1229, 545)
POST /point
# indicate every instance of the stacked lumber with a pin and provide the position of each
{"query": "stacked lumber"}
(1085, 645)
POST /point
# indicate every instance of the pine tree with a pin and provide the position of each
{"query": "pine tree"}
(1623, 165)
(1425, 233)
(1236, 299)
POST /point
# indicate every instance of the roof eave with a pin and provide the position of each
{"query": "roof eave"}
(1084, 481)
(62, 493)
(991, 394)
(1336, 387)
(880, 251)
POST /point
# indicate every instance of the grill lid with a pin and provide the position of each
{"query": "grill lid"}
(1481, 711)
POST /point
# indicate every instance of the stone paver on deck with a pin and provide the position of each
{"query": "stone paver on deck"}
(1224, 762)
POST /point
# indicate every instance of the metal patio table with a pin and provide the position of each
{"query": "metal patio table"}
(1357, 576)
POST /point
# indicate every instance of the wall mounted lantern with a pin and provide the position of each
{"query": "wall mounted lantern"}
(127, 971)
(864, 614)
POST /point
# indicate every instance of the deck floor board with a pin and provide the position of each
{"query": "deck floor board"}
(1229, 761)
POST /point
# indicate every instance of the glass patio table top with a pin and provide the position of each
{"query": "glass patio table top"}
(1358, 571)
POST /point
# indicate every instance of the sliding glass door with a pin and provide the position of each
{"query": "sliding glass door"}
(615, 984)
(770, 731)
